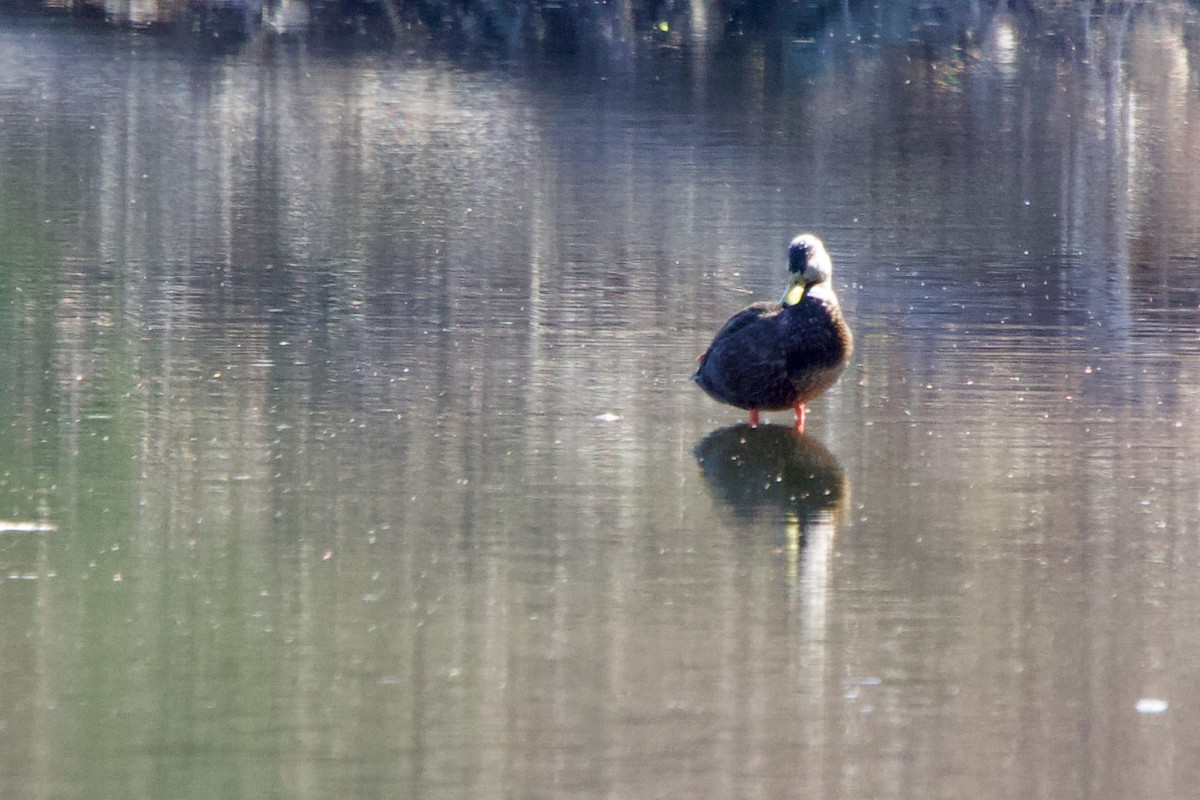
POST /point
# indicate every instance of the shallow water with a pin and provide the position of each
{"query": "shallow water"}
(349, 445)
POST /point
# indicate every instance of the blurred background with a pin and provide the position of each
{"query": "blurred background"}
(348, 446)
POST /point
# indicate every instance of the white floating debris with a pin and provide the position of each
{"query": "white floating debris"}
(1150, 705)
(13, 526)
(608, 417)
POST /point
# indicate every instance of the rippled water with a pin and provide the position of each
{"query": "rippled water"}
(349, 446)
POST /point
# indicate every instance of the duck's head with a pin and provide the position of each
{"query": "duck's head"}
(809, 265)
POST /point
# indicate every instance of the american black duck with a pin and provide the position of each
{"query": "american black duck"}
(775, 356)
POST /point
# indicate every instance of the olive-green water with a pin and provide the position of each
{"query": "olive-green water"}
(347, 446)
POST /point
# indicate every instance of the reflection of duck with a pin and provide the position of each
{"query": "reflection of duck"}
(752, 470)
(757, 471)
(773, 356)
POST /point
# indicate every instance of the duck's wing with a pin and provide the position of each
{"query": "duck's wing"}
(745, 365)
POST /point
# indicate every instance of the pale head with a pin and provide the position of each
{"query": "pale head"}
(809, 265)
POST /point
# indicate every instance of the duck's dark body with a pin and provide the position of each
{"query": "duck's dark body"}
(771, 357)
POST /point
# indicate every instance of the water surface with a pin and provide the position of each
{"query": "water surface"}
(348, 445)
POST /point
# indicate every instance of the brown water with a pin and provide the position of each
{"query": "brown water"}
(348, 446)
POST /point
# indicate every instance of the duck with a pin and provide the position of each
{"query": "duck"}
(775, 356)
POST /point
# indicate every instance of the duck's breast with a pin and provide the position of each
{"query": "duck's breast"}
(819, 344)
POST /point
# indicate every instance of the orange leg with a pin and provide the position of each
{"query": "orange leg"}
(754, 418)
(801, 413)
